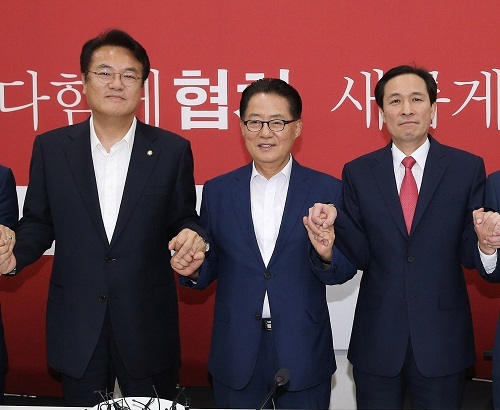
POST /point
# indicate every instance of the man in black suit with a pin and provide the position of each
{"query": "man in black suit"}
(412, 328)
(9, 215)
(110, 191)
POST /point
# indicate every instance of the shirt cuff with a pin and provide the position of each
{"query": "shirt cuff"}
(489, 261)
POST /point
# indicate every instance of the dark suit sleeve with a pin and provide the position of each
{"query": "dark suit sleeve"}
(183, 204)
(9, 211)
(208, 271)
(349, 235)
(492, 191)
(35, 233)
(469, 252)
(341, 268)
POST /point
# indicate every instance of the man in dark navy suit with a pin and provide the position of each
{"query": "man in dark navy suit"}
(9, 215)
(111, 191)
(413, 201)
(270, 309)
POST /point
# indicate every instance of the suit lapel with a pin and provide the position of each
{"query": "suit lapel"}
(296, 197)
(242, 207)
(143, 158)
(435, 167)
(79, 157)
(383, 172)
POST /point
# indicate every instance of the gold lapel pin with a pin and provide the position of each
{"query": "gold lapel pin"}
(149, 153)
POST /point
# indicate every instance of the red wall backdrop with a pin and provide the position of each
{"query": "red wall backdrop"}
(203, 54)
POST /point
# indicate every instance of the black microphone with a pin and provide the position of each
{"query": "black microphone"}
(281, 378)
(176, 399)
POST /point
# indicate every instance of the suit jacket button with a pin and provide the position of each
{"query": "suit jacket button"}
(102, 298)
(110, 259)
(411, 259)
(267, 275)
(258, 317)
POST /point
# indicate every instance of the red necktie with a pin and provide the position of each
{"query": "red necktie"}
(409, 192)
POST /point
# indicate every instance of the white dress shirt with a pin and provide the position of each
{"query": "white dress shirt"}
(110, 170)
(420, 156)
(267, 198)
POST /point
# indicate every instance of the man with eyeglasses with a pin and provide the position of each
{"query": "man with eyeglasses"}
(111, 192)
(270, 309)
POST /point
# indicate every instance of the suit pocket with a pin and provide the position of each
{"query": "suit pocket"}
(453, 299)
(319, 314)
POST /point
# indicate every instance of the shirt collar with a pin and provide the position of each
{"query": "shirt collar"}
(419, 155)
(286, 171)
(128, 138)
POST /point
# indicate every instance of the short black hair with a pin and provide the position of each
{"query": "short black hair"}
(430, 83)
(272, 86)
(119, 38)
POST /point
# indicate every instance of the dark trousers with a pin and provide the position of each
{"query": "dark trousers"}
(379, 392)
(3, 361)
(105, 366)
(252, 395)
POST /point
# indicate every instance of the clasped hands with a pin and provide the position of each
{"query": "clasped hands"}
(189, 247)
(189, 253)
(319, 226)
(487, 227)
(7, 242)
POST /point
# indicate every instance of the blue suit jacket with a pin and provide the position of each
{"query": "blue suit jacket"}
(492, 200)
(413, 286)
(295, 285)
(131, 275)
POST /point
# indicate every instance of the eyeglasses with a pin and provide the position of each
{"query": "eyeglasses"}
(128, 78)
(274, 125)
